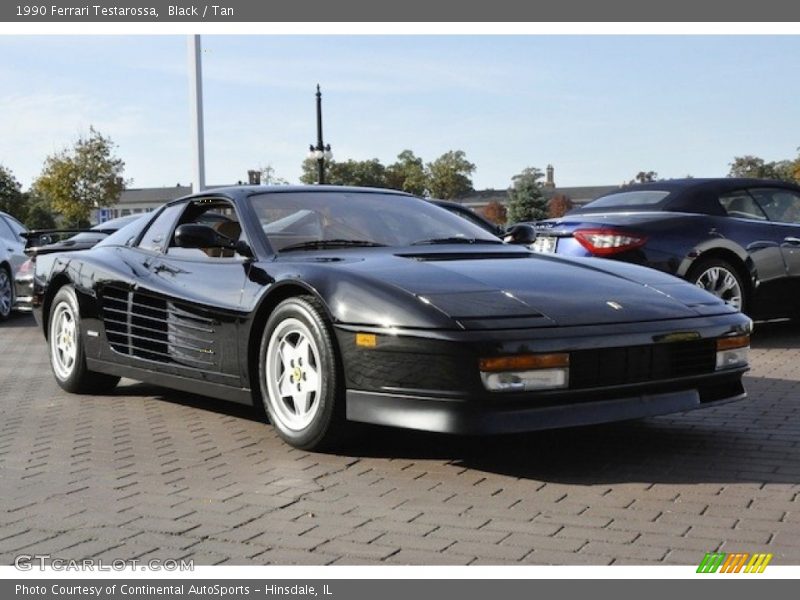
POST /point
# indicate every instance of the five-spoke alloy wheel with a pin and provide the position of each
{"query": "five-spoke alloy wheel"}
(67, 354)
(299, 375)
(63, 340)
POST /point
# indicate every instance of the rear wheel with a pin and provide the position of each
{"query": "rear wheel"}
(722, 279)
(300, 383)
(6, 293)
(67, 354)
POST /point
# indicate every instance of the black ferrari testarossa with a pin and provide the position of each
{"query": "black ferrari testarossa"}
(331, 304)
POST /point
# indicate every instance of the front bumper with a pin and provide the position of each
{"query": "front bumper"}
(429, 380)
(469, 418)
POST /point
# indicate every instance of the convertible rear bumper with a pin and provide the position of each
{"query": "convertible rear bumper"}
(481, 418)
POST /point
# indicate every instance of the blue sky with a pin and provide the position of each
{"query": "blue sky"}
(599, 108)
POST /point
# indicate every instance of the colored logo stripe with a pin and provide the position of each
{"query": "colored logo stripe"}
(711, 562)
(734, 563)
(758, 563)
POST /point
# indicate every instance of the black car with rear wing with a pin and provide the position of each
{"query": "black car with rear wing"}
(329, 305)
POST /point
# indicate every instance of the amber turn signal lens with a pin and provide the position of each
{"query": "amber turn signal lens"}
(366, 340)
(730, 343)
(523, 362)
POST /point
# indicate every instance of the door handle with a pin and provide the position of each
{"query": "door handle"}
(792, 240)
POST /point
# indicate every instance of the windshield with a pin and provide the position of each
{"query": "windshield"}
(310, 220)
(637, 198)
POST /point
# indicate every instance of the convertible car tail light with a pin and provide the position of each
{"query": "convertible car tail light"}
(733, 352)
(606, 241)
(525, 372)
(25, 269)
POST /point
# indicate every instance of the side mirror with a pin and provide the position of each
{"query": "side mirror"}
(192, 235)
(522, 234)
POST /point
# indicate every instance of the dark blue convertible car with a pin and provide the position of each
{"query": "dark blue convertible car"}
(737, 238)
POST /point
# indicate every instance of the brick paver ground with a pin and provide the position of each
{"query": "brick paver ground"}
(150, 473)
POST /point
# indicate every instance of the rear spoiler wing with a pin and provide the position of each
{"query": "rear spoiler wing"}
(44, 241)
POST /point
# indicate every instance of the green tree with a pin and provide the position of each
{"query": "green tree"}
(82, 178)
(309, 174)
(366, 173)
(40, 213)
(526, 202)
(369, 173)
(407, 174)
(12, 200)
(645, 177)
(449, 176)
(756, 167)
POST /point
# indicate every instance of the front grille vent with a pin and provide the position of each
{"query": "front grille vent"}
(640, 364)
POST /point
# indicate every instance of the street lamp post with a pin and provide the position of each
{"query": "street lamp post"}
(321, 152)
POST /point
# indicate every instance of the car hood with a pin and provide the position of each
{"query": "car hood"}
(507, 289)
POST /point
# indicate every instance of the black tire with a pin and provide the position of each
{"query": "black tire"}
(72, 375)
(321, 423)
(699, 275)
(6, 292)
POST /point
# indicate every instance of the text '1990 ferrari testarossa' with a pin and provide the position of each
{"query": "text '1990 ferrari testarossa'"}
(330, 305)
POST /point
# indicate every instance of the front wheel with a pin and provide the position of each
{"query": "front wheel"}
(300, 382)
(67, 354)
(6, 293)
(722, 279)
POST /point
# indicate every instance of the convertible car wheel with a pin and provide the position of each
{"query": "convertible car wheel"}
(67, 356)
(299, 381)
(721, 279)
(6, 294)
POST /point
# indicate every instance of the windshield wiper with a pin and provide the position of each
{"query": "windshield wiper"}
(455, 240)
(321, 244)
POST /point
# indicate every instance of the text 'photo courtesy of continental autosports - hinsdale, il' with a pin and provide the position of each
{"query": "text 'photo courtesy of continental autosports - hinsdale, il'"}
(333, 305)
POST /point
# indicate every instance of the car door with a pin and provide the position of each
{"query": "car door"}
(183, 311)
(782, 207)
(13, 243)
(747, 224)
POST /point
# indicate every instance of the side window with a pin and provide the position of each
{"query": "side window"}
(741, 205)
(5, 231)
(217, 214)
(781, 206)
(17, 227)
(156, 237)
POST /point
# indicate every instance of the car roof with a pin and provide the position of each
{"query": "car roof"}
(695, 195)
(251, 190)
(722, 183)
